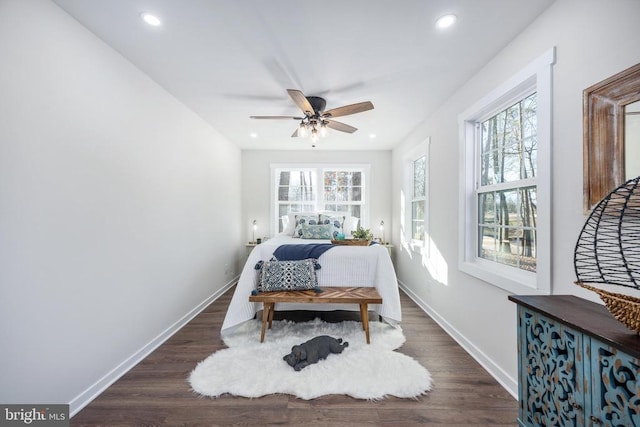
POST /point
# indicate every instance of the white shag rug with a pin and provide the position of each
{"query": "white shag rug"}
(249, 368)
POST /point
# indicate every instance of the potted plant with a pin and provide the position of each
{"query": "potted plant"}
(362, 234)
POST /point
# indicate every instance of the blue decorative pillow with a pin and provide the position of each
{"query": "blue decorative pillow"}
(336, 222)
(304, 219)
(288, 275)
(320, 231)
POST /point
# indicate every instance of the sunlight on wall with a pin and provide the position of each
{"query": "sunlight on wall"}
(432, 258)
(435, 263)
(404, 244)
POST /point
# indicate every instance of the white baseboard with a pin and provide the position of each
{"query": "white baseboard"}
(84, 398)
(505, 380)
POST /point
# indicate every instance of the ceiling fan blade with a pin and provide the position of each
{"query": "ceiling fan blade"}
(349, 109)
(340, 126)
(301, 101)
(276, 117)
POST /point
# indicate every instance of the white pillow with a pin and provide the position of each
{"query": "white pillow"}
(288, 225)
(350, 224)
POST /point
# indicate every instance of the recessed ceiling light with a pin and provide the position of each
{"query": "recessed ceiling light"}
(446, 21)
(253, 135)
(372, 135)
(150, 19)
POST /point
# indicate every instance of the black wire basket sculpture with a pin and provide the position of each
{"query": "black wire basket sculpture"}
(608, 252)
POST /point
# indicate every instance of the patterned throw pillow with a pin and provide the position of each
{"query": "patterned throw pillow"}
(320, 231)
(288, 275)
(336, 222)
(304, 219)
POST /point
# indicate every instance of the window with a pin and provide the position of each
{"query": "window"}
(416, 195)
(296, 189)
(418, 208)
(505, 182)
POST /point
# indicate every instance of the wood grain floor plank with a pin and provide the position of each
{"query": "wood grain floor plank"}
(156, 392)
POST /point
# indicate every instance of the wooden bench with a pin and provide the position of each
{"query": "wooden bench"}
(331, 295)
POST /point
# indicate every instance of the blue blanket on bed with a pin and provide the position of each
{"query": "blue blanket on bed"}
(297, 252)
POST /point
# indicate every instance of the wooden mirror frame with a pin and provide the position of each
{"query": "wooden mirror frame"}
(603, 140)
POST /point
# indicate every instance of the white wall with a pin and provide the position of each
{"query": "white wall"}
(594, 40)
(256, 183)
(114, 199)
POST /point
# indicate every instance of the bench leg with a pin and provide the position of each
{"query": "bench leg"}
(364, 317)
(272, 308)
(363, 309)
(265, 319)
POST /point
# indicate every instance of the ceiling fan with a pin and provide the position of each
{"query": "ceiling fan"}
(316, 120)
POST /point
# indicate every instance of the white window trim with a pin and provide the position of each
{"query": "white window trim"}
(319, 168)
(538, 76)
(408, 241)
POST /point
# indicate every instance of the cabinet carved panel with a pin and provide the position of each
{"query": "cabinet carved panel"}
(552, 383)
(616, 387)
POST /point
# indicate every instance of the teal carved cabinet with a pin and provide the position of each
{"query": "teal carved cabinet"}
(577, 365)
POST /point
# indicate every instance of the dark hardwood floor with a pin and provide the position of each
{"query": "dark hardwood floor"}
(156, 392)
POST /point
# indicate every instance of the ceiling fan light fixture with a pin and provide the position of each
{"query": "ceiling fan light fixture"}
(302, 130)
(314, 135)
(323, 129)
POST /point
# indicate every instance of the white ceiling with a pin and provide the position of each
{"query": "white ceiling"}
(227, 60)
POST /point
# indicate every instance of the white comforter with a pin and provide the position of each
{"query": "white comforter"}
(340, 266)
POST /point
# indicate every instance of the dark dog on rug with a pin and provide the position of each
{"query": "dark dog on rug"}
(313, 350)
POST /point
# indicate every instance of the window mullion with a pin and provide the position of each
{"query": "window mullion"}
(511, 185)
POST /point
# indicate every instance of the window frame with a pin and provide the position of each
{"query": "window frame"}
(416, 245)
(535, 77)
(318, 170)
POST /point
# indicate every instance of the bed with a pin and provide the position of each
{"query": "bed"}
(340, 266)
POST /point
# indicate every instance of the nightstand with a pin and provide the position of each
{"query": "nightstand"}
(249, 247)
(389, 247)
